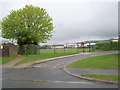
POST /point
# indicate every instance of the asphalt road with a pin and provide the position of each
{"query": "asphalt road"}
(48, 75)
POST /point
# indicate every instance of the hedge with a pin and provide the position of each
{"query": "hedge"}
(108, 45)
(28, 49)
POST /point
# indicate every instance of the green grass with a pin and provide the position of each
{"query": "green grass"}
(102, 77)
(49, 53)
(6, 59)
(43, 51)
(74, 50)
(109, 61)
(30, 58)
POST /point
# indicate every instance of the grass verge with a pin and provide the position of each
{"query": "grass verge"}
(102, 77)
(109, 61)
(30, 58)
(6, 59)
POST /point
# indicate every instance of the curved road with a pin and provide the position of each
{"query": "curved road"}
(50, 75)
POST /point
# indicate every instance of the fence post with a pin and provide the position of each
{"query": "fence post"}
(54, 48)
(89, 46)
(83, 49)
(77, 48)
(64, 49)
(93, 48)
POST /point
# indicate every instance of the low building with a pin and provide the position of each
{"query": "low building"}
(57, 46)
(9, 50)
(89, 44)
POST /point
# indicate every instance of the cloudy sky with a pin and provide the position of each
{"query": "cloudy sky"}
(74, 20)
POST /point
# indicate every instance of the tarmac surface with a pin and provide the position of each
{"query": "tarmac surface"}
(49, 75)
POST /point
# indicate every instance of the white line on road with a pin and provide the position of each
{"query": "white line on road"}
(48, 81)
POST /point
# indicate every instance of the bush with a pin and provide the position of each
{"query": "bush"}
(108, 45)
(116, 45)
(45, 47)
(28, 49)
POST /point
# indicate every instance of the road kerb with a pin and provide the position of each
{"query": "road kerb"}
(44, 60)
(90, 79)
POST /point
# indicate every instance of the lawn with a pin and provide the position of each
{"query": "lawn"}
(109, 61)
(49, 53)
(6, 59)
(44, 54)
(30, 58)
(43, 51)
(113, 77)
(73, 50)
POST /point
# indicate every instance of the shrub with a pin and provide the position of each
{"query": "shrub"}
(28, 49)
(108, 45)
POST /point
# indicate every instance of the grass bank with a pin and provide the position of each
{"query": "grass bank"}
(109, 61)
(6, 59)
(72, 50)
(103, 77)
(30, 58)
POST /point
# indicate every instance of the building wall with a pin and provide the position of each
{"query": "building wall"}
(9, 50)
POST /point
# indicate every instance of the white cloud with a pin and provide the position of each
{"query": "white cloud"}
(75, 20)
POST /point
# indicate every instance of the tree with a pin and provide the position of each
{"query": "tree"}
(29, 25)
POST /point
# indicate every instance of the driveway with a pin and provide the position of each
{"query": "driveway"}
(49, 75)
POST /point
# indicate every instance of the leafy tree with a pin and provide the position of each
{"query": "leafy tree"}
(29, 25)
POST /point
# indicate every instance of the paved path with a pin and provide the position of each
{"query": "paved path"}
(84, 71)
(13, 62)
(49, 75)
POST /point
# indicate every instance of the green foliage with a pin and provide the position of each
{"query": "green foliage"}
(108, 45)
(28, 49)
(29, 25)
(116, 45)
(45, 47)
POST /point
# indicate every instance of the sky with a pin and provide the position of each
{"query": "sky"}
(74, 20)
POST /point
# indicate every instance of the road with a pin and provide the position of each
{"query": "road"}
(49, 75)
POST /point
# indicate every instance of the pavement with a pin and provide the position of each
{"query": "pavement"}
(44, 60)
(50, 74)
(77, 72)
(93, 71)
(13, 62)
